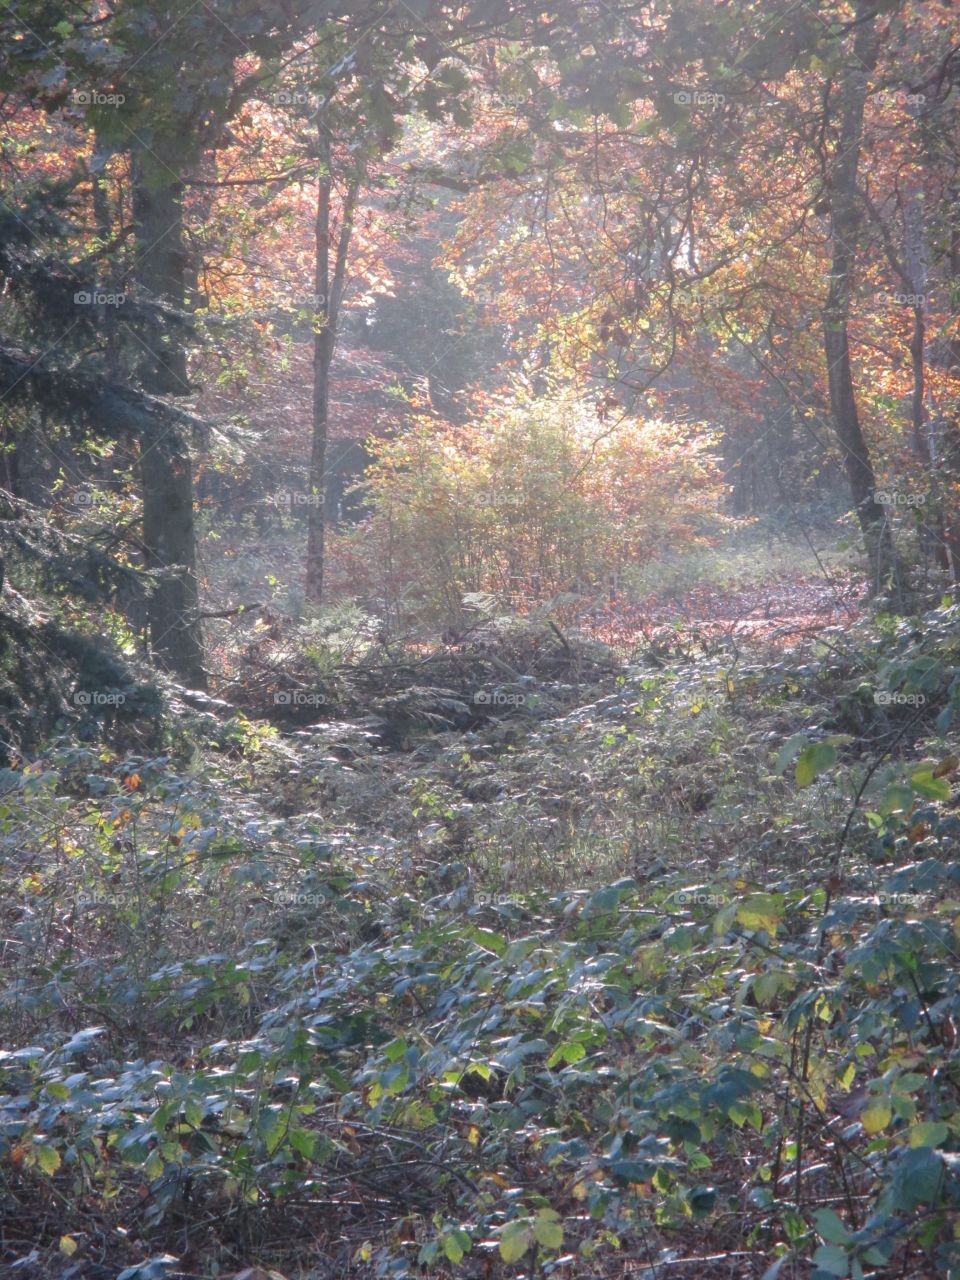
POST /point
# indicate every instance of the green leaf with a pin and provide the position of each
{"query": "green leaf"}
(607, 898)
(489, 940)
(456, 1244)
(896, 799)
(930, 1133)
(923, 782)
(918, 1178)
(336, 1078)
(775, 1268)
(570, 1052)
(832, 1259)
(814, 760)
(548, 1229)
(789, 751)
(702, 1201)
(303, 1142)
(830, 1227)
(515, 1239)
(272, 1128)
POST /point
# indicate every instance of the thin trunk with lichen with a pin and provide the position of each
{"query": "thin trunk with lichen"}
(845, 226)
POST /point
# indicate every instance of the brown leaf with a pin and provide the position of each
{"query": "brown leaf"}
(947, 765)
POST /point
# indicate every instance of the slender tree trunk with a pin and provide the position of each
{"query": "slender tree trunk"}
(329, 287)
(165, 464)
(932, 526)
(322, 359)
(942, 445)
(10, 451)
(948, 353)
(845, 220)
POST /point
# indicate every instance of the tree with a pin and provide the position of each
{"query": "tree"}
(329, 286)
(166, 468)
(642, 211)
(845, 219)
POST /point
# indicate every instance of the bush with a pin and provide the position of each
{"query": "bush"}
(538, 498)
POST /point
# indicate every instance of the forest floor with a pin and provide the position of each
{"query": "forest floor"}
(777, 609)
(494, 959)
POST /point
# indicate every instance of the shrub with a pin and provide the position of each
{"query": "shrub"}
(537, 498)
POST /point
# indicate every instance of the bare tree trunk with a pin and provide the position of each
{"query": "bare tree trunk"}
(322, 359)
(329, 294)
(165, 465)
(932, 527)
(845, 224)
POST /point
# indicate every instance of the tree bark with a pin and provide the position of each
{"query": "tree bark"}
(165, 465)
(329, 288)
(932, 525)
(845, 225)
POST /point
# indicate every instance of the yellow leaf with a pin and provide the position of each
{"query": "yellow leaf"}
(48, 1158)
(68, 1246)
(876, 1117)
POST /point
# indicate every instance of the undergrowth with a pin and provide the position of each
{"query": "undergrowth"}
(657, 963)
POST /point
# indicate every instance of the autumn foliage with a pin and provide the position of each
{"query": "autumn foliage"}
(539, 497)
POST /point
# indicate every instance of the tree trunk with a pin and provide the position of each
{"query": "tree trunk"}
(322, 359)
(845, 224)
(329, 294)
(165, 465)
(942, 446)
(932, 526)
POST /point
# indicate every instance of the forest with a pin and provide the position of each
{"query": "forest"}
(479, 639)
